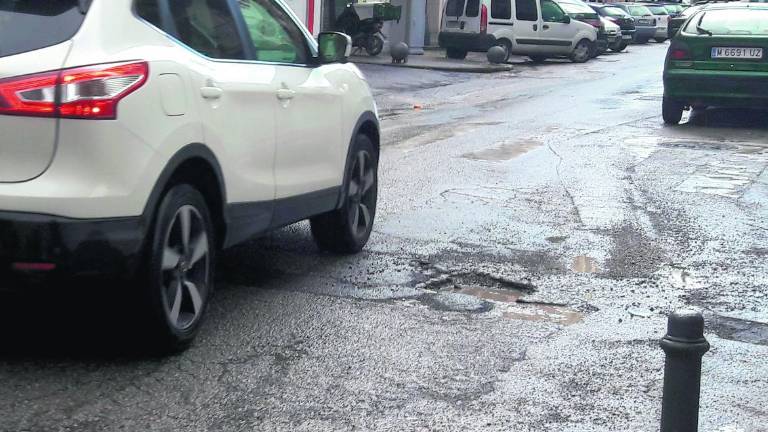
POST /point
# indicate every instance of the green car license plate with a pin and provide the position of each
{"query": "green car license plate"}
(737, 53)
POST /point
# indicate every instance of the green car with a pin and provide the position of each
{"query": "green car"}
(719, 58)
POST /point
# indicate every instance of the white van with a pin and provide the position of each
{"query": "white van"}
(535, 28)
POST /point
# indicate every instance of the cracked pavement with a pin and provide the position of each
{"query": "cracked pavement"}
(534, 230)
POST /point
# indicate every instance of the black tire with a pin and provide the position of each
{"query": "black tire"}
(671, 111)
(620, 47)
(537, 58)
(507, 45)
(456, 53)
(581, 53)
(660, 40)
(347, 229)
(374, 45)
(178, 278)
(594, 51)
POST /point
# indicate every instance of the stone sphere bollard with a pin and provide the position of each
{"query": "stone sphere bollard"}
(497, 55)
(399, 53)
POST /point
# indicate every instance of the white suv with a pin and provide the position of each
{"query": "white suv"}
(141, 136)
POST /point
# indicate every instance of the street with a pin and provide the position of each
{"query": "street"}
(534, 230)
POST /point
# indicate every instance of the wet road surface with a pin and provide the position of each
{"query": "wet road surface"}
(534, 230)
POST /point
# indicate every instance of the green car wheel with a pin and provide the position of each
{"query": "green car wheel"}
(672, 111)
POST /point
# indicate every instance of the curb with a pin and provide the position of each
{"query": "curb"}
(466, 69)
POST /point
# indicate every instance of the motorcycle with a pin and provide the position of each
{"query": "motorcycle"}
(366, 33)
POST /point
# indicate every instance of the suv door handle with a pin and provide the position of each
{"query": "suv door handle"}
(211, 92)
(285, 94)
(545, 26)
(535, 27)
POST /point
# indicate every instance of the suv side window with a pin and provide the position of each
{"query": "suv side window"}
(276, 38)
(527, 10)
(501, 9)
(207, 26)
(551, 12)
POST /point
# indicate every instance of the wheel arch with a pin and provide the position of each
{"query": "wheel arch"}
(196, 165)
(368, 125)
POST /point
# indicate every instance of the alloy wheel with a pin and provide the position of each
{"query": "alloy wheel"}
(185, 268)
(361, 195)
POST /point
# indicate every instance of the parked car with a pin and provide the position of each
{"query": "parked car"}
(662, 21)
(678, 21)
(580, 11)
(538, 29)
(645, 22)
(612, 35)
(619, 17)
(138, 154)
(674, 9)
(719, 58)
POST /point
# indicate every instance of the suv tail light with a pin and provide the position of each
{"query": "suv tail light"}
(483, 19)
(90, 92)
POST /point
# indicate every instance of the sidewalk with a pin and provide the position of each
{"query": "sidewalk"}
(436, 60)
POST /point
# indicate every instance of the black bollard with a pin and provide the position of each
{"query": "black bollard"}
(684, 345)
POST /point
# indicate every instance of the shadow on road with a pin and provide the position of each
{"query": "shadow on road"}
(84, 320)
(90, 320)
(729, 118)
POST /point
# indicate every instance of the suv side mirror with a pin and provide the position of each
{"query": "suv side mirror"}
(567, 19)
(334, 47)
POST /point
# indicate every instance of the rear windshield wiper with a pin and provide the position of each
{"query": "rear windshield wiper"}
(701, 29)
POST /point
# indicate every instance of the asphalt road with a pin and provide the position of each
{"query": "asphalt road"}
(534, 230)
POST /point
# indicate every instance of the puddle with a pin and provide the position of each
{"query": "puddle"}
(478, 292)
(497, 295)
(557, 239)
(554, 314)
(684, 279)
(505, 151)
(739, 330)
(584, 264)
(514, 307)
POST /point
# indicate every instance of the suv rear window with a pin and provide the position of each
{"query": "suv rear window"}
(731, 22)
(28, 25)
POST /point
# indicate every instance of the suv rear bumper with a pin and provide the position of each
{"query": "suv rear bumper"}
(466, 41)
(63, 246)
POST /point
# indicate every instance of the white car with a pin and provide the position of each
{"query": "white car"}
(535, 28)
(141, 136)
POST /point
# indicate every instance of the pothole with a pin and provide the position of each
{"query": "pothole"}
(478, 292)
(504, 151)
(584, 264)
(739, 330)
